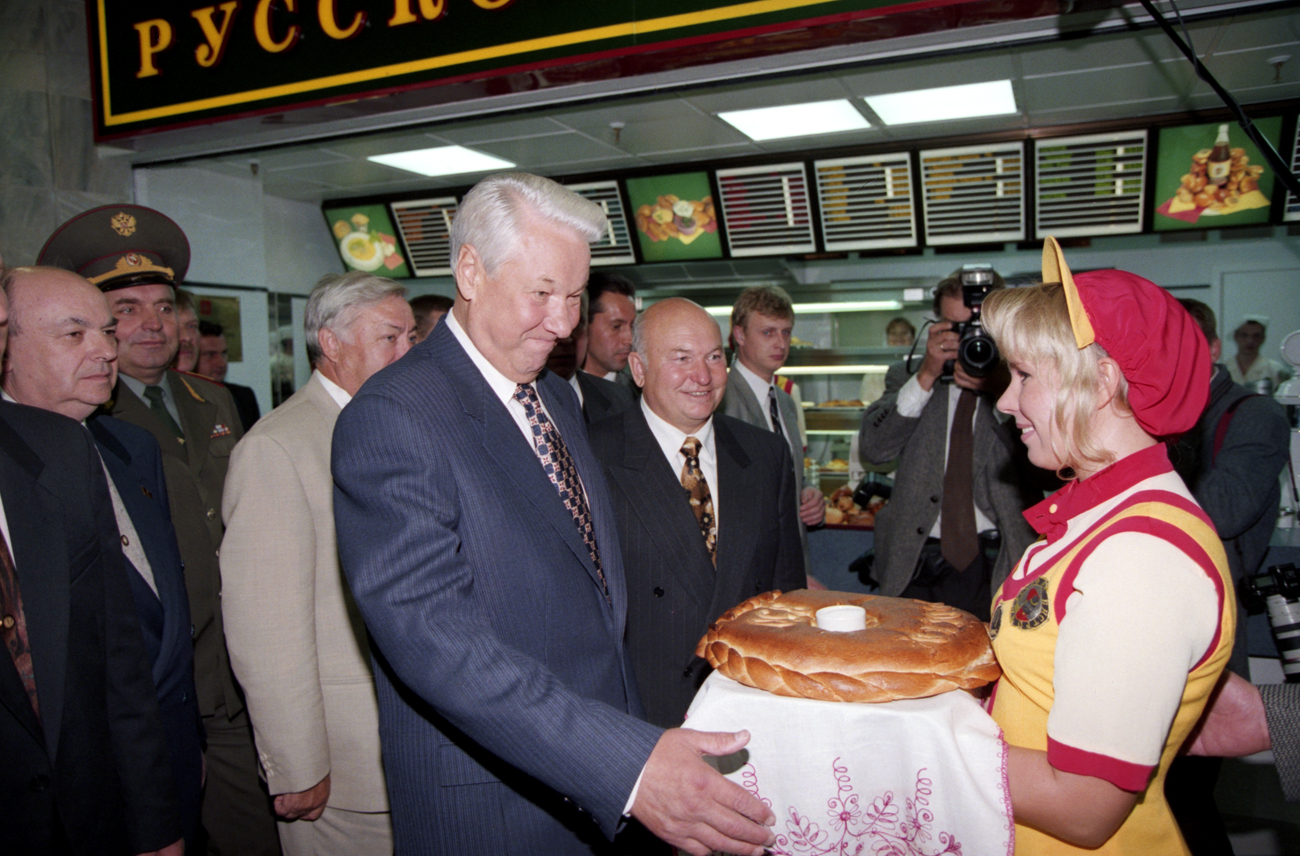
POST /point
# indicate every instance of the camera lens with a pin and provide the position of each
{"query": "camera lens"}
(977, 352)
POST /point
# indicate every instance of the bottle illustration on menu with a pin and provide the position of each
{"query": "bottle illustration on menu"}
(1220, 180)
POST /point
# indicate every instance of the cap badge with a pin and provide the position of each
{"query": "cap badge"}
(133, 259)
(123, 224)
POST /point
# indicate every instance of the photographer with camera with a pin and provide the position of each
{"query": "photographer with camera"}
(953, 528)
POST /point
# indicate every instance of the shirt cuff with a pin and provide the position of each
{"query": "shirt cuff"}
(912, 398)
(627, 809)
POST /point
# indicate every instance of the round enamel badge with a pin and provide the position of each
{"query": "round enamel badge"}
(1030, 608)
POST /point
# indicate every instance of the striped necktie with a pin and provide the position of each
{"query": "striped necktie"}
(561, 471)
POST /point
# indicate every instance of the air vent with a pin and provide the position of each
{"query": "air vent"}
(973, 194)
(1292, 211)
(425, 227)
(766, 210)
(867, 202)
(616, 247)
(1090, 185)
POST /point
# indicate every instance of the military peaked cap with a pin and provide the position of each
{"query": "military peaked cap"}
(118, 246)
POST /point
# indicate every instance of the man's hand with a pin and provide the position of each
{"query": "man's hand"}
(979, 384)
(305, 805)
(690, 805)
(1233, 723)
(940, 347)
(176, 848)
(812, 507)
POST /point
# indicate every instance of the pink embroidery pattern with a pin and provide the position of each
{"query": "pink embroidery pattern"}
(855, 829)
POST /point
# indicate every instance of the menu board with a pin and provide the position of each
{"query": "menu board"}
(367, 240)
(675, 217)
(1212, 175)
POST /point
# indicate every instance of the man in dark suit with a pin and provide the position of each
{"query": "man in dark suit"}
(599, 397)
(609, 333)
(135, 255)
(689, 561)
(914, 422)
(86, 768)
(62, 357)
(476, 532)
(213, 364)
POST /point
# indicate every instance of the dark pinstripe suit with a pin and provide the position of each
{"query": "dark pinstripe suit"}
(673, 589)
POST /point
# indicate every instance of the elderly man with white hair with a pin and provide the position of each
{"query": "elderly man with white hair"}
(297, 643)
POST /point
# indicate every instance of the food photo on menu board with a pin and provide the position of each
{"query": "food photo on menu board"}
(1213, 175)
(675, 217)
(367, 240)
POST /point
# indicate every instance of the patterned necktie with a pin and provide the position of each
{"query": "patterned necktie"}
(155, 396)
(13, 624)
(958, 540)
(697, 488)
(561, 471)
(774, 412)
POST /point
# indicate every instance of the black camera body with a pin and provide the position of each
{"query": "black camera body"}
(975, 347)
(1279, 588)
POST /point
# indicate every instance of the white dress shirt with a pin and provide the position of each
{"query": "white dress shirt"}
(670, 439)
(338, 393)
(911, 400)
(502, 386)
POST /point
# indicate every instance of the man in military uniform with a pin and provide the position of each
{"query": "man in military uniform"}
(137, 256)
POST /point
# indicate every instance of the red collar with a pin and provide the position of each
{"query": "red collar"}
(1050, 516)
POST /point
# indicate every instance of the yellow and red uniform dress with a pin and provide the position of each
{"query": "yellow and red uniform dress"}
(1111, 633)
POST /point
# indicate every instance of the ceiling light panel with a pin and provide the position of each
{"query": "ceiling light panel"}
(944, 103)
(796, 120)
(442, 160)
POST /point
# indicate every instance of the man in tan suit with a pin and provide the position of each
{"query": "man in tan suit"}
(296, 640)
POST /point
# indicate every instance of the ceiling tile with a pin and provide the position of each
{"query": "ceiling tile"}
(474, 133)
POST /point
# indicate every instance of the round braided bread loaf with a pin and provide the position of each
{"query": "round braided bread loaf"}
(910, 649)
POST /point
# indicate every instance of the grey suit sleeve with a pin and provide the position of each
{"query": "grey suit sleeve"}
(885, 432)
(1282, 709)
(397, 514)
(1241, 486)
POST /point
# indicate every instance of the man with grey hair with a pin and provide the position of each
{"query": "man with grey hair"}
(479, 539)
(296, 641)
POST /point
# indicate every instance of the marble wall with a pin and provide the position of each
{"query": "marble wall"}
(50, 168)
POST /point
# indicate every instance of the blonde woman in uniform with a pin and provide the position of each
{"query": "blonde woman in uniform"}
(1114, 626)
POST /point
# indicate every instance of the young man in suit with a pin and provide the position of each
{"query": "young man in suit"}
(86, 766)
(609, 332)
(762, 322)
(136, 255)
(213, 364)
(599, 397)
(477, 535)
(915, 421)
(62, 357)
(705, 503)
(296, 641)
